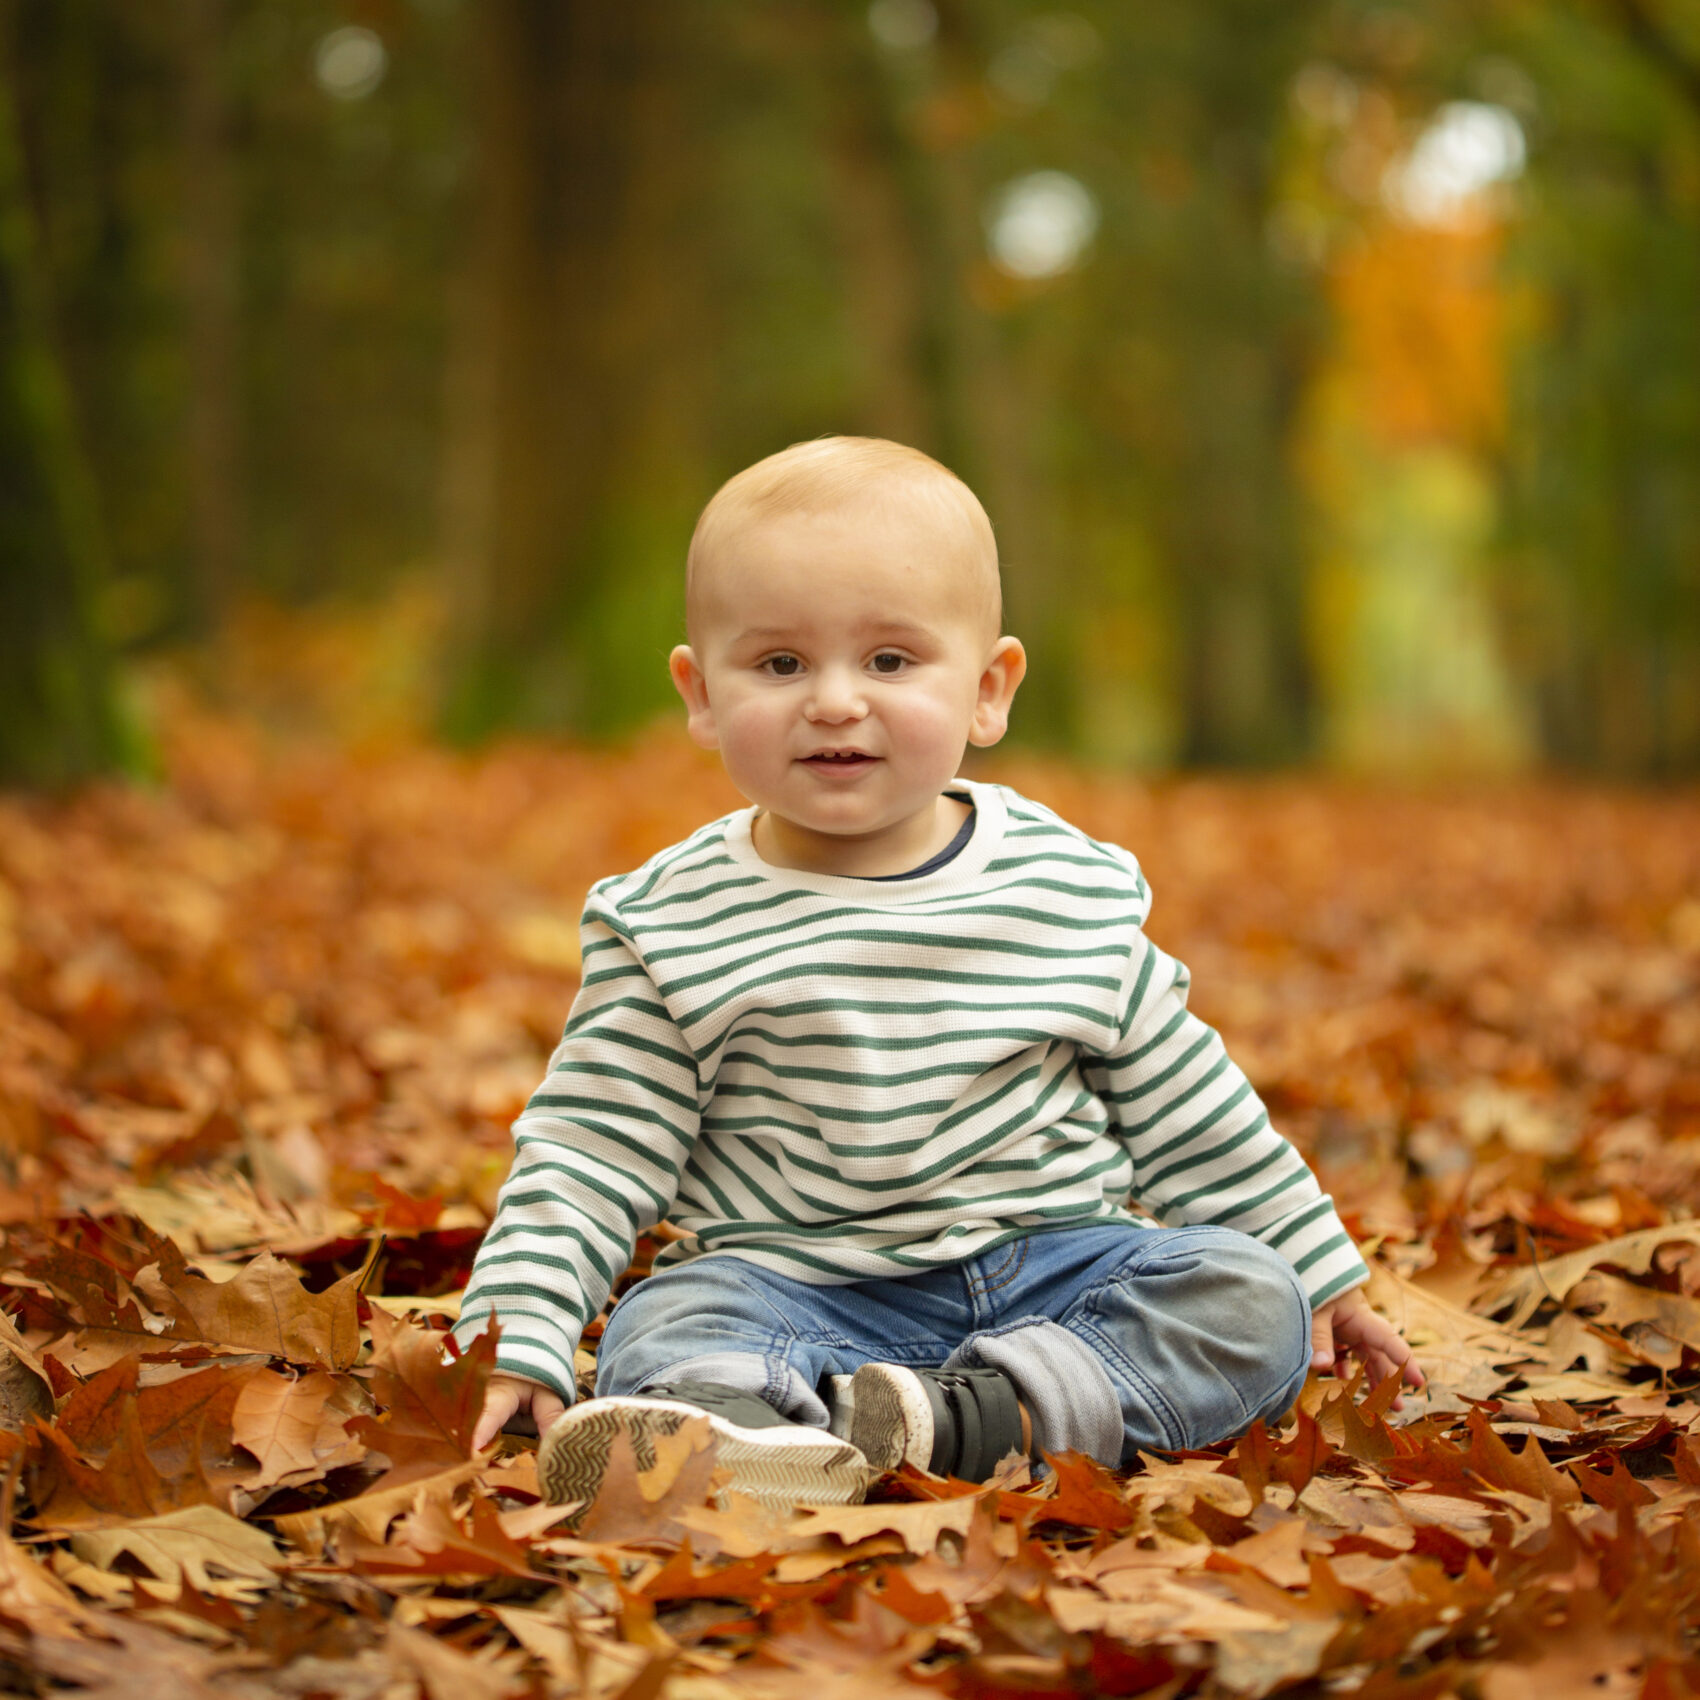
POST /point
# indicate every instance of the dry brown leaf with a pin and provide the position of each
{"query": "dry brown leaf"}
(368, 1514)
(1524, 1289)
(919, 1526)
(1456, 1348)
(429, 1396)
(447, 1674)
(26, 1389)
(221, 1555)
(264, 1309)
(431, 1540)
(1672, 1318)
(1139, 1605)
(644, 1506)
(297, 1428)
(121, 1660)
(183, 1414)
(70, 1493)
(811, 1566)
(30, 1593)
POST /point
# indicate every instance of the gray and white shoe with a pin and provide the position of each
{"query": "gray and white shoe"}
(953, 1422)
(770, 1458)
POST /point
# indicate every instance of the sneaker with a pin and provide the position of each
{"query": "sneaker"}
(770, 1458)
(953, 1422)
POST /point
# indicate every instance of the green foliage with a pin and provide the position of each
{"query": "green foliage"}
(505, 316)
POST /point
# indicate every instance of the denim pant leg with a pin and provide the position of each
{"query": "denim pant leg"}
(735, 1323)
(1200, 1331)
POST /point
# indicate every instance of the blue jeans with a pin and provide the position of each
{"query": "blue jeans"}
(1117, 1336)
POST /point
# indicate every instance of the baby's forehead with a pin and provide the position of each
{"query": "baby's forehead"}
(946, 544)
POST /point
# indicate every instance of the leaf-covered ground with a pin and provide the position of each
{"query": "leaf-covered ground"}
(261, 1032)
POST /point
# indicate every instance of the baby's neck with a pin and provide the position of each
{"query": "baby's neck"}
(893, 850)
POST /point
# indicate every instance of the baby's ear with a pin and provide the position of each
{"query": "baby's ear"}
(691, 684)
(1003, 674)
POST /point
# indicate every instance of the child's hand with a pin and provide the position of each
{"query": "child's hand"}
(1346, 1328)
(505, 1397)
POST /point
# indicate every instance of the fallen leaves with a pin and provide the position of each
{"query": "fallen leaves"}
(220, 1554)
(260, 1035)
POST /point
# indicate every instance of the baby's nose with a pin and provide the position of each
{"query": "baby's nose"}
(837, 695)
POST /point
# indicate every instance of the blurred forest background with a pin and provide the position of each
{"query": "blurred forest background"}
(1331, 369)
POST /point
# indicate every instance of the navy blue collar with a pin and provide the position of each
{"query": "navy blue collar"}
(933, 863)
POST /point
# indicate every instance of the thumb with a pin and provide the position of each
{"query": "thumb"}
(545, 1408)
(501, 1400)
(1322, 1340)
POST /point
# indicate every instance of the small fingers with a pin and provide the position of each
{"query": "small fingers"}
(500, 1403)
(1323, 1351)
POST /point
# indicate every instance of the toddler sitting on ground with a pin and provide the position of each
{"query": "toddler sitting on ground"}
(892, 1050)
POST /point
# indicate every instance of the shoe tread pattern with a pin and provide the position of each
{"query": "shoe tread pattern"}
(783, 1467)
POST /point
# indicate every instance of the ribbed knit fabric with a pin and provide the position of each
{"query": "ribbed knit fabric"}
(841, 1078)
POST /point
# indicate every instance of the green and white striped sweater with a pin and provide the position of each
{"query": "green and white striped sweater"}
(842, 1078)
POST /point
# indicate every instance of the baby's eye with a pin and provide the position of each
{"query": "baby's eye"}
(888, 661)
(783, 666)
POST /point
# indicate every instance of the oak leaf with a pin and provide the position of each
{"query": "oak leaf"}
(69, 1492)
(31, 1594)
(431, 1540)
(220, 1554)
(297, 1429)
(26, 1388)
(430, 1393)
(919, 1525)
(679, 1579)
(643, 1506)
(448, 1674)
(368, 1514)
(120, 1660)
(180, 1417)
(1526, 1287)
(1086, 1496)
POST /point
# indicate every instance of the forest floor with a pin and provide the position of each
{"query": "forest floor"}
(262, 1029)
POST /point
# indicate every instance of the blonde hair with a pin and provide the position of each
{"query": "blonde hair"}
(828, 474)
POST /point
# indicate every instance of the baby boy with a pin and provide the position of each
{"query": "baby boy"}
(892, 1051)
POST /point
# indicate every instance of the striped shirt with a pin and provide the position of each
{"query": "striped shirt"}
(841, 1079)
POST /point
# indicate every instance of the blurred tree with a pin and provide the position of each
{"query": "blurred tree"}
(1604, 469)
(212, 303)
(574, 368)
(59, 716)
(1169, 373)
(490, 298)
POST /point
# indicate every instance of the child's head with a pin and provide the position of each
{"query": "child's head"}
(843, 613)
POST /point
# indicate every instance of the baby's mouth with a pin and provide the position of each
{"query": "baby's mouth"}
(839, 761)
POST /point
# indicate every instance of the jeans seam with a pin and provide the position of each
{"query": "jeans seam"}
(1154, 1398)
(1092, 1315)
(985, 1282)
(1018, 1259)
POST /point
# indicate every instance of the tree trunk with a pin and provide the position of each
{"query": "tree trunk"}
(880, 213)
(569, 288)
(59, 718)
(212, 312)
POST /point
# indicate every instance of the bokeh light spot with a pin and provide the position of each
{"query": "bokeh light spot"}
(1468, 148)
(903, 24)
(350, 63)
(1041, 224)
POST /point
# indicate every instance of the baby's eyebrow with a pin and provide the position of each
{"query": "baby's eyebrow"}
(872, 629)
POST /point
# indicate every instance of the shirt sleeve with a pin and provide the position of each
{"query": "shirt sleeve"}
(597, 1155)
(1200, 1139)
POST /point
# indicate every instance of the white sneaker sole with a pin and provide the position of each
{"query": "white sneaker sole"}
(786, 1466)
(892, 1420)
